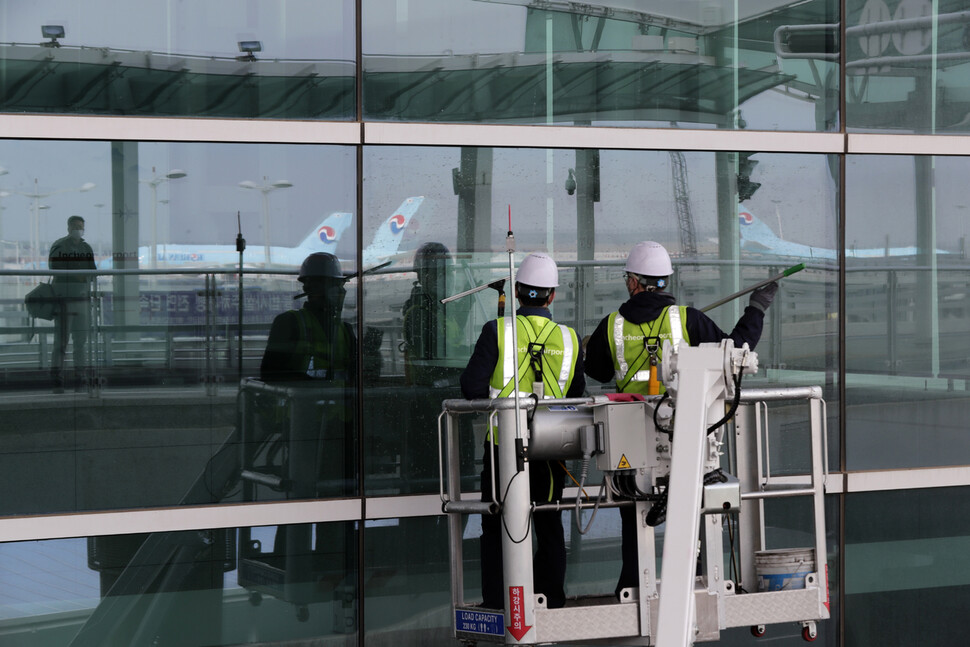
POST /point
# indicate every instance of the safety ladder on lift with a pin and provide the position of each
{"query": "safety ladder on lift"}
(688, 605)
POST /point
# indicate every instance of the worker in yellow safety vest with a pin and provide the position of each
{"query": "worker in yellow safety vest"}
(550, 362)
(627, 345)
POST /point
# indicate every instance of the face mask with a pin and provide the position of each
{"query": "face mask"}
(335, 296)
(76, 233)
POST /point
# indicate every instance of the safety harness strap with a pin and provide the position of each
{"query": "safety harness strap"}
(536, 345)
(627, 373)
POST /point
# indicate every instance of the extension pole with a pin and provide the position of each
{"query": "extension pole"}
(495, 285)
(510, 247)
(240, 247)
(751, 288)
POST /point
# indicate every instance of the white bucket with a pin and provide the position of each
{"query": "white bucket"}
(783, 569)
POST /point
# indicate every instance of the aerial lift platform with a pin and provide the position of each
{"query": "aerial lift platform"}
(650, 458)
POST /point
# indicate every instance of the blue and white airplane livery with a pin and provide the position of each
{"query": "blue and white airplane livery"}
(758, 237)
(323, 238)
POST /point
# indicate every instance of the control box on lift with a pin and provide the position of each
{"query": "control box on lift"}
(625, 438)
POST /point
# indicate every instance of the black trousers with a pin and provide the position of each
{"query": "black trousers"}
(629, 575)
(549, 563)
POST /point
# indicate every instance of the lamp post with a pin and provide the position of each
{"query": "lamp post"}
(153, 183)
(266, 189)
(36, 196)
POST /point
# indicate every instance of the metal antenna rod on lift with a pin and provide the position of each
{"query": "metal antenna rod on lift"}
(510, 247)
(240, 247)
(751, 288)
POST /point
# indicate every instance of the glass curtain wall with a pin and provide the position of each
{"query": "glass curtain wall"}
(129, 378)
(282, 59)
(906, 324)
(907, 66)
(203, 587)
(586, 208)
(120, 394)
(906, 554)
(677, 64)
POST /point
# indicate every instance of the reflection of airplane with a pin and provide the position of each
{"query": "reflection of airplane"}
(324, 238)
(388, 236)
(758, 237)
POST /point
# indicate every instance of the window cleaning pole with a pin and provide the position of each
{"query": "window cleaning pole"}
(751, 288)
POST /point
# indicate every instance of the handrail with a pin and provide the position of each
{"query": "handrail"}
(458, 405)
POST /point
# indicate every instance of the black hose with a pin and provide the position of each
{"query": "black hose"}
(734, 405)
(656, 423)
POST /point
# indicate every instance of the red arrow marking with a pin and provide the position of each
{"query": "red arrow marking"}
(517, 628)
(827, 588)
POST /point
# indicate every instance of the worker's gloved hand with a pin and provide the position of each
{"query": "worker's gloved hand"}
(763, 296)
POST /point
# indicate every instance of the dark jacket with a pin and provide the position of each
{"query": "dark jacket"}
(70, 254)
(481, 365)
(647, 306)
(278, 359)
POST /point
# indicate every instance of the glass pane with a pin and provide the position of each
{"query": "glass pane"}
(788, 524)
(906, 572)
(907, 66)
(127, 395)
(586, 208)
(906, 318)
(285, 59)
(687, 64)
(407, 570)
(217, 587)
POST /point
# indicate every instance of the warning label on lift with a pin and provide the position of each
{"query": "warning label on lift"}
(480, 622)
(624, 464)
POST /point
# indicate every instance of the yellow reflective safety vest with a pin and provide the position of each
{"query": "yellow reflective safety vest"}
(319, 356)
(553, 345)
(629, 345)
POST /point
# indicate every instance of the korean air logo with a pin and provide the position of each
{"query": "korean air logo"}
(327, 234)
(397, 223)
(745, 217)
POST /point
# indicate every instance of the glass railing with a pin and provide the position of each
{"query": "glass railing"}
(140, 327)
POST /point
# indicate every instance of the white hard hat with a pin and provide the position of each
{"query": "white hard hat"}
(538, 270)
(649, 259)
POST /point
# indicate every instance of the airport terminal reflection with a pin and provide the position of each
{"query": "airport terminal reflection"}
(168, 421)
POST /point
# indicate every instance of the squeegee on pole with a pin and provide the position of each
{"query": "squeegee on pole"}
(751, 288)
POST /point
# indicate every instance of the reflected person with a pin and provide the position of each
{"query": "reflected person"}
(312, 343)
(72, 317)
(312, 347)
(432, 333)
(627, 342)
(426, 329)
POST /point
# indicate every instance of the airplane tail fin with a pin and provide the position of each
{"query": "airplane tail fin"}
(327, 235)
(391, 232)
(756, 235)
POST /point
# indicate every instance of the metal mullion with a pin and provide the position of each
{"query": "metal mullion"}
(177, 129)
(595, 137)
(147, 520)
